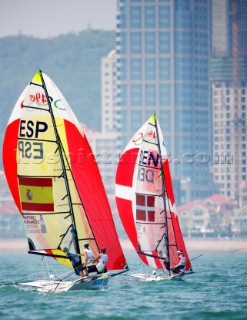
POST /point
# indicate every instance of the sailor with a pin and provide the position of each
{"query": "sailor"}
(154, 275)
(180, 267)
(100, 261)
(75, 261)
(89, 257)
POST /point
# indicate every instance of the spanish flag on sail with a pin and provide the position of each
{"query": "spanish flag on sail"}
(36, 194)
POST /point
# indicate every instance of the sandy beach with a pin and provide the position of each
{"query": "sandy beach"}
(199, 245)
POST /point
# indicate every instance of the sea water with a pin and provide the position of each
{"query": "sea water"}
(217, 290)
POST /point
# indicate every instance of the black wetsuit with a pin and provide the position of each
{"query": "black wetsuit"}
(76, 262)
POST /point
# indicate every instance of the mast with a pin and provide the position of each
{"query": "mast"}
(163, 195)
(59, 144)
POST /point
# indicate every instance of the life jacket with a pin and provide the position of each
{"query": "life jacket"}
(102, 262)
(182, 262)
(90, 256)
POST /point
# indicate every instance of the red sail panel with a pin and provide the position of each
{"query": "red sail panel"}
(125, 206)
(174, 232)
(93, 196)
(10, 161)
(126, 167)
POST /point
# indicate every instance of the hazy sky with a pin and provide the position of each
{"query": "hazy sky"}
(49, 18)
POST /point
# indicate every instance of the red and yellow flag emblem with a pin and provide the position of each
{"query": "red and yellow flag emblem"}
(36, 194)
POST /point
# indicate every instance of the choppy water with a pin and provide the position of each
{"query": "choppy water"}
(218, 290)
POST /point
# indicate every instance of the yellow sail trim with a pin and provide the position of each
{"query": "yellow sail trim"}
(36, 194)
(65, 262)
(37, 77)
(152, 119)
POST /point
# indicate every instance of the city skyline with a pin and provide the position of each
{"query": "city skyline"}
(228, 75)
(163, 52)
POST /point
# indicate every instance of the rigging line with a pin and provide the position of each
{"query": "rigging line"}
(43, 213)
(36, 84)
(83, 239)
(151, 255)
(47, 266)
(47, 254)
(196, 257)
(166, 236)
(59, 143)
(148, 194)
(151, 123)
(169, 207)
(150, 223)
(64, 197)
(159, 241)
(40, 109)
(149, 142)
(42, 140)
(60, 146)
(21, 175)
(80, 197)
(171, 212)
(63, 236)
(118, 273)
(99, 209)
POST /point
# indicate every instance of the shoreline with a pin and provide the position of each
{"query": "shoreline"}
(201, 245)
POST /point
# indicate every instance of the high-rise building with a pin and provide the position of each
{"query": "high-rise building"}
(228, 74)
(108, 91)
(163, 49)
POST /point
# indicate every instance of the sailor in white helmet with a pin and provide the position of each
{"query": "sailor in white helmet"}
(89, 257)
(180, 267)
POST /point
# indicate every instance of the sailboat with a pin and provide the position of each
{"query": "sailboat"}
(146, 204)
(56, 185)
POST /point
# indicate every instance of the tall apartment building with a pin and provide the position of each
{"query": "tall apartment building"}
(228, 74)
(108, 92)
(163, 49)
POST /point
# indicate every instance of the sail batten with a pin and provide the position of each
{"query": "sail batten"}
(57, 190)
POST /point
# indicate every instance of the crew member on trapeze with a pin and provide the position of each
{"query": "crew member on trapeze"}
(180, 267)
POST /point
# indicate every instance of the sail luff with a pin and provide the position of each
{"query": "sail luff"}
(81, 203)
(59, 143)
(166, 235)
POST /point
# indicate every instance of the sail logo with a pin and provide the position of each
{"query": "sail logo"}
(145, 208)
(137, 140)
(29, 195)
(40, 198)
(38, 98)
(151, 134)
(58, 105)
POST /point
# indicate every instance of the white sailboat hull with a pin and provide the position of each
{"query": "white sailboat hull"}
(150, 277)
(85, 283)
